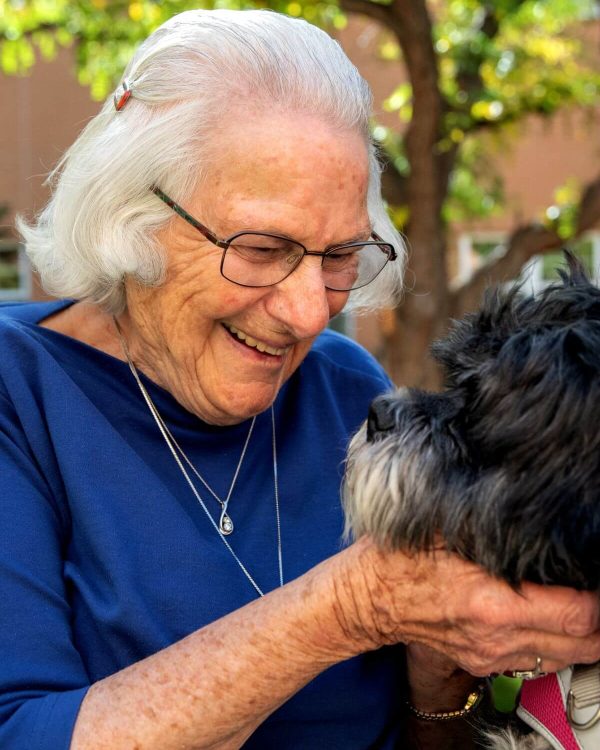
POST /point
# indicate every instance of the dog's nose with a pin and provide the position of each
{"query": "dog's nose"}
(380, 420)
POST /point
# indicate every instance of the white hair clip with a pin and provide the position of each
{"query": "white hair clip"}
(122, 95)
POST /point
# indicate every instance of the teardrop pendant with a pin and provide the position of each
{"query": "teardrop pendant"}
(225, 523)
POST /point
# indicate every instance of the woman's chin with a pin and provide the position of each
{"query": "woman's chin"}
(241, 406)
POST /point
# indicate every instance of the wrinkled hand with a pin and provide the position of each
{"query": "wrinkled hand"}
(454, 607)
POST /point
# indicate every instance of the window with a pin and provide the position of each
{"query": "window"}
(15, 276)
(587, 250)
(475, 249)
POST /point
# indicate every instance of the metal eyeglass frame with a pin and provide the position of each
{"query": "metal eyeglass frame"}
(224, 244)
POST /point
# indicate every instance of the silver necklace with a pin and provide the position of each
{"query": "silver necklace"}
(225, 522)
(225, 525)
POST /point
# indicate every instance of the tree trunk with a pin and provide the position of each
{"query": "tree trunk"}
(420, 316)
(407, 358)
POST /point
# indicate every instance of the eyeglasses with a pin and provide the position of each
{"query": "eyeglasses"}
(257, 259)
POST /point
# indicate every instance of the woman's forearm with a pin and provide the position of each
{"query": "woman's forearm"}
(214, 687)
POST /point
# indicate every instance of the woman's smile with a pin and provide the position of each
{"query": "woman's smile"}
(254, 343)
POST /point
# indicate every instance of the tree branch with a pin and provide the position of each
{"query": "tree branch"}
(523, 244)
(589, 207)
(376, 11)
(470, 77)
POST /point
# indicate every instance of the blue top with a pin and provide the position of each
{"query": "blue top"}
(106, 556)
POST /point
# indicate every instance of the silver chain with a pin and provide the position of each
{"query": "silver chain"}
(174, 447)
(225, 521)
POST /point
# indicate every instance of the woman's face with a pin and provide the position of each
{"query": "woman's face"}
(199, 335)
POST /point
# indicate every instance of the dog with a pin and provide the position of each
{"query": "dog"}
(504, 463)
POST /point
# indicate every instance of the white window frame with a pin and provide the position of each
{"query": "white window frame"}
(531, 273)
(23, 291)
(468, 260)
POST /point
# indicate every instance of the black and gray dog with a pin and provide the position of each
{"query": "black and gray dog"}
(504, 463)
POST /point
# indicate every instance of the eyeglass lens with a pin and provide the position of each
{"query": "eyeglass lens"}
(263, 260)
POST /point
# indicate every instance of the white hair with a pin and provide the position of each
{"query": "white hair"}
(101, 222)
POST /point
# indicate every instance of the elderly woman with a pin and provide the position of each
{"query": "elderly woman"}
(172, 432)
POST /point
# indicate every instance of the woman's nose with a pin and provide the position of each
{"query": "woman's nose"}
(302, 301)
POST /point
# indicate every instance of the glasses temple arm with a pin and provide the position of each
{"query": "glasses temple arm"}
(187, 217)
(377, 238)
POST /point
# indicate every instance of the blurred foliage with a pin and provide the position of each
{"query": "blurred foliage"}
(392, 143)
(562, 214)
(498, 61)
(105, 32)
(531, 56)
(474, 189)
(526, 57)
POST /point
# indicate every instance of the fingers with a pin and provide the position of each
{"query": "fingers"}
(553, 609)
(480, 652)
(556, 650)
(521, 650)
(495, 628)
(477, 621)
(549, 609)
(480, 665)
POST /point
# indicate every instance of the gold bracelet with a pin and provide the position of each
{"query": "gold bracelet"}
(473, 701)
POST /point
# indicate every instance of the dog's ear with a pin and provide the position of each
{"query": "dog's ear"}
(576, 275)
(400, 484)
(574, 299)
(473, 343)
(476, 339)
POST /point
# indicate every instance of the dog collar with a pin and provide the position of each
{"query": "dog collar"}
(564, 707)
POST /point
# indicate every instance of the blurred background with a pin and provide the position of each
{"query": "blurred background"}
(486, 113)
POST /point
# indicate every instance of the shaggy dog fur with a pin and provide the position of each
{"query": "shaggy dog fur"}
(505, 462)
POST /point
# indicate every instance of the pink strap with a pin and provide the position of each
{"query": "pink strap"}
(542, 699)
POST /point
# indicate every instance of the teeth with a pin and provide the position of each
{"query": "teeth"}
(249, 341)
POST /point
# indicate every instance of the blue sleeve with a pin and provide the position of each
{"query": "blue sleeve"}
(42, 678)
